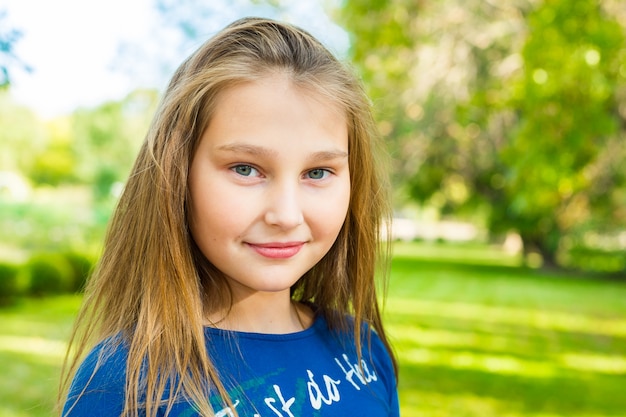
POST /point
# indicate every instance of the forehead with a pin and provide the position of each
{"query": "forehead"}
(283, 81)
(274, 106)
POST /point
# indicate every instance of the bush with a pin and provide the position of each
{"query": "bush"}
(9, 288)
(597, 260)
(49, 273)
(81, 267)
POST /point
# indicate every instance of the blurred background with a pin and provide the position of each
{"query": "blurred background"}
(506, 122)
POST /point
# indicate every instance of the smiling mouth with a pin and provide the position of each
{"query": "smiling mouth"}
(277, 250)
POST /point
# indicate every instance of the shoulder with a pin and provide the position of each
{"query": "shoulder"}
(376, 365)
(374, 349)
(99, 381)
(381, 359)
(343, 328)
(373, 352)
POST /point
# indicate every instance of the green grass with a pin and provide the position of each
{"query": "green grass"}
(33, 335)
(478, 336)
(475, 334)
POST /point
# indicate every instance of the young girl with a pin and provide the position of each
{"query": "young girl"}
(238, 272)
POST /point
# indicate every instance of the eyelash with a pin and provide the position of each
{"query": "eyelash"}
(324, 171)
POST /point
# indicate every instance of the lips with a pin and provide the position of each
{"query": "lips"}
(277, 250)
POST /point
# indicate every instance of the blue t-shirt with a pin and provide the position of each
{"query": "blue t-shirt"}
(314, 372)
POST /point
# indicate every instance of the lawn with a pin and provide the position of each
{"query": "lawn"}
(32, 346)
(476, 335)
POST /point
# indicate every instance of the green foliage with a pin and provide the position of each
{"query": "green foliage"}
(21, 135)
(52, 220)
(53, 166)
(43, 152)
(81, 266)
(515, 109)
(44, 273)
(49, 273)
(567, 115)
(8, 282)
(598, 260)
(107, 139)
(68, 170)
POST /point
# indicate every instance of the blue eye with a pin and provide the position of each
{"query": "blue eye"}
(245, 170)
(317, 174)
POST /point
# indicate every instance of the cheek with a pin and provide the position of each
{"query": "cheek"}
(212, 217)
(330, 212)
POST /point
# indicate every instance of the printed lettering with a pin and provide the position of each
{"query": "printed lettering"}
(363, 374)
(227, 412)
(369, 376)
(316, 397)
(285, 405)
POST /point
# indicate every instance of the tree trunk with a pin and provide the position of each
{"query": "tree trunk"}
(539, 245)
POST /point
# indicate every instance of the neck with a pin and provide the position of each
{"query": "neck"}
(270, 313)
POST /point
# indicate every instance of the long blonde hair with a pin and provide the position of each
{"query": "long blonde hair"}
(152, 285)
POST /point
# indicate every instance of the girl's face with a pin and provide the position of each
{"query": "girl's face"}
(269, 184)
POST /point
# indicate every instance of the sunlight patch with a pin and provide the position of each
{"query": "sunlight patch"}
(33, 346)
(609, 364)
(540, 319)
(418, 403)
(497, 364)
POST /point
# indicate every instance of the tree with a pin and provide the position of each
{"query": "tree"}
(560, 167)
(8, 59)
(510, 107)
(419, 60)
(107, 138)
(20, 135)
(55, 162)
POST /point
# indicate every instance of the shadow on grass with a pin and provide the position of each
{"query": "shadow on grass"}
(474, 253)
(500, 285)
(488, 269)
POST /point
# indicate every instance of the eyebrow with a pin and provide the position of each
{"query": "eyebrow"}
(247, 148)
(255, 150)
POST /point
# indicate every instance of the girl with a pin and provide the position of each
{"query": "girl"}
(237, 276)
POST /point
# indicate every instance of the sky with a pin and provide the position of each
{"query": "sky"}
(85, 52)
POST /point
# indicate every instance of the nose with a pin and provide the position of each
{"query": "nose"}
(284, 206)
